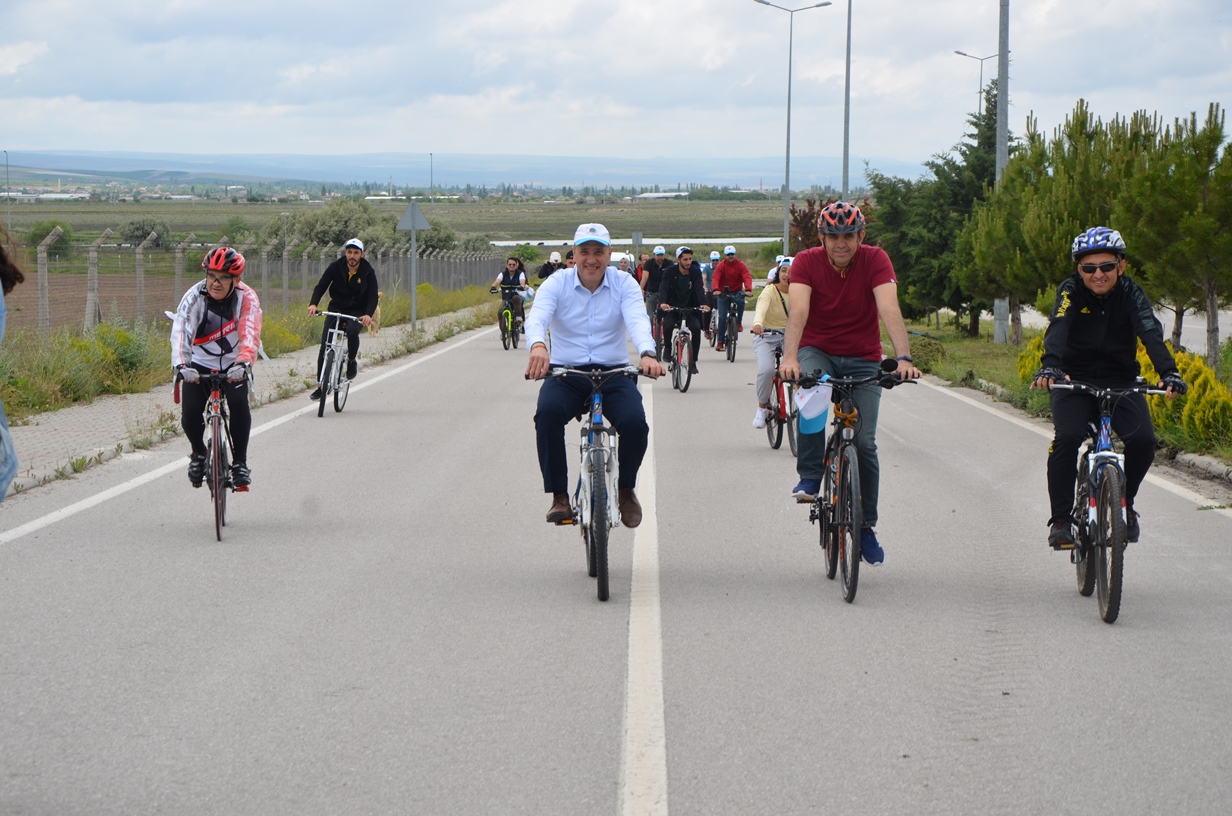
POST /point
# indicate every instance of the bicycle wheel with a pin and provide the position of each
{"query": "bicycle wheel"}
(714, 328)
(340, 395)
(793, 417)
(505, 320)
(730, 342)
(513, 334)
(774, 423)
(1083, 566)
(217, 459)
(599, 519)
(684, 361)
(829, 532)
(1109, 544)
(327, 379)
(849, 521)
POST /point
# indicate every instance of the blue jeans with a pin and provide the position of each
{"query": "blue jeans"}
(721, 305)
(810, 462)
(8, 456)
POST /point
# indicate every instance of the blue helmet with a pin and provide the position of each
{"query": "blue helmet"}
(1098, 239)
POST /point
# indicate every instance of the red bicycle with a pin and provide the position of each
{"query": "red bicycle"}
(782, 412)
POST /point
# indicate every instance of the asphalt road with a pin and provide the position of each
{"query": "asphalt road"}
(388, 626)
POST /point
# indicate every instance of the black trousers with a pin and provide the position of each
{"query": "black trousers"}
(692, 320)
(192, 417)
(1131, 421)
(562, 400)
(352, 333)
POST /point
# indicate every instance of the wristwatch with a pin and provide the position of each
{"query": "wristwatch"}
(905, 359)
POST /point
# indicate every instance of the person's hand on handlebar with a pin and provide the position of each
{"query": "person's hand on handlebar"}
(540, 361)
(789, 368)
(651, 367)
(907, 371)
(758, 329)
(364, 320)
(312, 310)
(1045, 377)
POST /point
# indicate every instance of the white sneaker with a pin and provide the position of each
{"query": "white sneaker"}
(759, 418)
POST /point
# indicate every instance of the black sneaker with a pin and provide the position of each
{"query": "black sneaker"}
(241, 476)
(1061, 536)
(1132, 529)
(692, 368)
(315, 395)
(352, 369)
(196, 469)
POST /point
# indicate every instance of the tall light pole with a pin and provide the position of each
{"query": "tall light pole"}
(791, 14)
(8, 195)
(979, 94)
(847, 104)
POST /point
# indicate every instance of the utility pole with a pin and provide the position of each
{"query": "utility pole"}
(1001, 305)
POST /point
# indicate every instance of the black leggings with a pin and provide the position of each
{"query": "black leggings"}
(192, 400)
(1131, 421)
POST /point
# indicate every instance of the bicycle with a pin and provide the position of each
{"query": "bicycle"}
(782, 412)
(731, 323)
(510, 326)
(332, 376)
(681, 350)
(595, 499)
(217, 445)
(1099, 504)
(838, 508)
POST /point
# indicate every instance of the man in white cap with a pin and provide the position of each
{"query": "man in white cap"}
(590, 310)
(732, 273)
(551, 266)
(353, 290)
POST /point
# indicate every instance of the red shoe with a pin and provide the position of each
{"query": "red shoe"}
(739, 327)
(718, 346)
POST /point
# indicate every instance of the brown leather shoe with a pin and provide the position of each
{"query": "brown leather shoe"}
(630, 509)
(560, 508)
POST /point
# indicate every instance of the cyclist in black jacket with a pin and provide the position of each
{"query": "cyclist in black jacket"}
(1092, 337)
(353, 290)
(682, 288)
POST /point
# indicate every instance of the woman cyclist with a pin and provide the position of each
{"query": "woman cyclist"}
(217, 327)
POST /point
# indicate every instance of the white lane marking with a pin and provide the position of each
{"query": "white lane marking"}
(145, 478)
(643, 756)
(1158, 481)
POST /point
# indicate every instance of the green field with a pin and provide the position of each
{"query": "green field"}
(533, 221)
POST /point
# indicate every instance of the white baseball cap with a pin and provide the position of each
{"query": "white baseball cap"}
(714, 255)
(729, 250)
(778, 259)
(772, 275)
(354, 242)
(592, 232)
(659, 250)
(554, 257)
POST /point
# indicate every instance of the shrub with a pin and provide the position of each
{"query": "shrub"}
(927, 352)
(1204, 414)
(63, 248)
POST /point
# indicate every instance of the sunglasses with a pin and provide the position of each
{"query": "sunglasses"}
(1105, 267)
(219, 278)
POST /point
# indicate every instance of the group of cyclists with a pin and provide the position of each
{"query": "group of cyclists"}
(822, 310)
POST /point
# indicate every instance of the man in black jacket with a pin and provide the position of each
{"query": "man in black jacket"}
(682, 288)
(353, 290)
(1092, 337)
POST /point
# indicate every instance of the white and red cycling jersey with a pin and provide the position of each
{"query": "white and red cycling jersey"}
(216, 334)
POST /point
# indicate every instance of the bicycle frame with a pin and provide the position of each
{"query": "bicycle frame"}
(597, 436)
(338, 342)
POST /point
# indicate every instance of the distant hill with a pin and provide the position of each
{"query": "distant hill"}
(412, 169)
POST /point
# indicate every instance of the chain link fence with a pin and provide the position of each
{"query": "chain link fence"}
(104, 281)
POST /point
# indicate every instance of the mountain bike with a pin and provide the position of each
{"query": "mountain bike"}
(680, 349)
(838, 508)
(332, 377)
(510, 325)
(731, 322)
(1099, 503)
(595, 499)
(782, 412)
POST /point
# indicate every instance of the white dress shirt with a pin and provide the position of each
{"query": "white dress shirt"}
(589, 328)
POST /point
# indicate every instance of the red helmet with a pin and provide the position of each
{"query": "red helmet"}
(840, 218)
(224, 259)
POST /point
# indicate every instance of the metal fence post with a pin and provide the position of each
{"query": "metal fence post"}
(94, 312)
(265, 271)
(179, 267)
(140, 266)
(303, 269)
(286, 275)
(44, 284)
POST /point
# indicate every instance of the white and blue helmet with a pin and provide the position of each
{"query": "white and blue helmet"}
(1098, 239)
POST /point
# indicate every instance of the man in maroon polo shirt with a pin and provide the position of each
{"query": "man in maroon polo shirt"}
(838, 292)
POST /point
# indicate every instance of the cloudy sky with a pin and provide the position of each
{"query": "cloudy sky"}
(621, 78)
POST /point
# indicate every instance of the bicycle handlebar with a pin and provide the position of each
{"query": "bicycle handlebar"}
(598, 376)
(336, 314)
(1097, 391)
(885, 379)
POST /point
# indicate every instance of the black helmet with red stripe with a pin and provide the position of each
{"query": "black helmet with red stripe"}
(224, 259)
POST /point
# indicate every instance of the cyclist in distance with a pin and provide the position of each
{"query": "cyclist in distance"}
(553, 263)
(590, 310)
(837, 294)
(683, 288)
(217, 327)
(353, 290)
(732, 273)
(652, 280)
(514, 274)
(1098, 317)
(771, 314)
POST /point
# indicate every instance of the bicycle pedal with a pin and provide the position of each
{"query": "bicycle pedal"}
(242, 489)
(565, 523)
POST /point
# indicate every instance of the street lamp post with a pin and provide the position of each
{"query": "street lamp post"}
(8, 195)
(980, 93)
(791, 13)
(847, 103)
